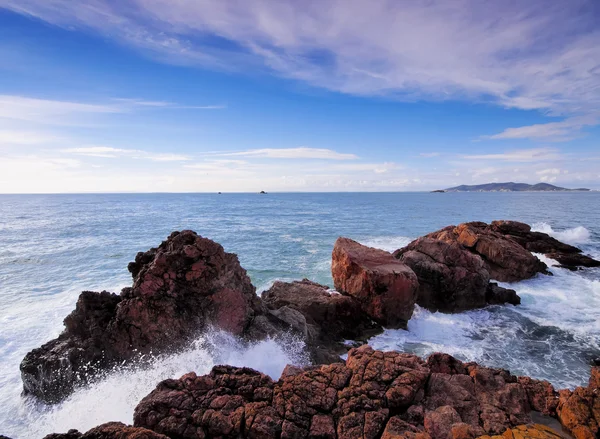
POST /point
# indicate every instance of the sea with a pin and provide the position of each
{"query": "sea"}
(52, 247)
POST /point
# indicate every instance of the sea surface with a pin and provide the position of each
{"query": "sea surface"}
(54, 246)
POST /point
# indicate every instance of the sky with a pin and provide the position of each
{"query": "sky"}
(297, 95)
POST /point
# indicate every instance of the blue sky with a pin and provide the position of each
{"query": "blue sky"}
(332, 95)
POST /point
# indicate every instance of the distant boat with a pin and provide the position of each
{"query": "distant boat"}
(438, 191)
(262, 192)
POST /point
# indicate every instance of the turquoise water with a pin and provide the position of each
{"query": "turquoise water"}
(54, 246)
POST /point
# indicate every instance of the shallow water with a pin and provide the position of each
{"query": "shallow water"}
(54, 246)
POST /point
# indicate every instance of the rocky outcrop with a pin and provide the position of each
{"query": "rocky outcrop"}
(451, 278)
(579, 410)
(179, 288)
(324, 318)
(566, 255)
(505, 259)
(373, 395)
(385, 287)
(531, 431)
(110, 430)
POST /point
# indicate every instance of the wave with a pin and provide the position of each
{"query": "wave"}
(575, 235)
(115, 397)
(387, 243)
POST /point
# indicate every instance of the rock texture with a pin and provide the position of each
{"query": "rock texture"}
(324, 318)
(179, 288)
(579, 410)
(110, 430)
(532, 431)
(505, 259)
(451, 278)
(566, 255)
(385, 287)
(373, 395)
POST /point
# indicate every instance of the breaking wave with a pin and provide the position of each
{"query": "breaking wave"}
(576, 235)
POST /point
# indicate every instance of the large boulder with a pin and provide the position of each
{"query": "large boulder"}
(373, 394)
(179, 288)
(451, 278)
(327, 318)
(385, 287)
(505, 259)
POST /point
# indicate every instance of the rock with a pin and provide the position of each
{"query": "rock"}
(374, 394)
(450, 277)
(506, 260)
(531, 431)
(179, 288)
(329, 318)
(573, 261)
(111, 430)
(385, 287)
(497, 295)
(579, 410)
(566, 255)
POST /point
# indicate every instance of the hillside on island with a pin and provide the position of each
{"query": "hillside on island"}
(511, 187)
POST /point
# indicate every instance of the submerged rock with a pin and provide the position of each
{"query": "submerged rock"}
(373, 394)
(385, 287)
(179, 288)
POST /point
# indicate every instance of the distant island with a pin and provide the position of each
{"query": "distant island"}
(510, 187)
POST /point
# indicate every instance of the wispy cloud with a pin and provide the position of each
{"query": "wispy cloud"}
(60, 112)
(294, 153)
(110, 152)
(553, 131)
(430, 154)
(540, 54)
(25, 137)
(522, 155)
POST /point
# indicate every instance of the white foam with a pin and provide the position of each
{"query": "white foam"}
(387, 243)
(575, 235)
(115, 397)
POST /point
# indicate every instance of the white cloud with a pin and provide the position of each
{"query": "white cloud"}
(430, 154)
(523, 155)
(168, 157)
(294, 153)
(552, 171)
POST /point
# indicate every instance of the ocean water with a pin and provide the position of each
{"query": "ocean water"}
(54, 246)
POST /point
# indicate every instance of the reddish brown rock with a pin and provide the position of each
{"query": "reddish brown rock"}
(373, 395)
(179, 288)
(506, 260)
(530, 431)
(385, 287)
(579, 410)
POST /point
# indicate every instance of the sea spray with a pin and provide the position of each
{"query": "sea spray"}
(114, 397)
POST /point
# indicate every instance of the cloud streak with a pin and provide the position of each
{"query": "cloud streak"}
(294, 153)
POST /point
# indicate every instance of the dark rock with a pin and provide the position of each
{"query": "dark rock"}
(450, 277)
(385, 287)
(179, 288)
(497, 295)
(111, 430)
(566, 255)
(329, 318)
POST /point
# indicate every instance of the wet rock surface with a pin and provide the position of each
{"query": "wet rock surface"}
(372, 395)
(325, 318)
(451, 278)
(385, 287)
(179, 288)
(110, 430)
